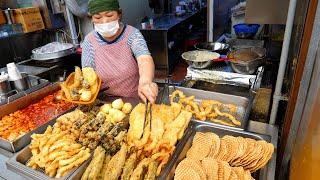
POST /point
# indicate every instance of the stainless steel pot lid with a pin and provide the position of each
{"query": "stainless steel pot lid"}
(52, 50)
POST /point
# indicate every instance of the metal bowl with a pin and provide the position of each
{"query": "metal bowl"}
(220, 48)
(248, 66)
(192, 58)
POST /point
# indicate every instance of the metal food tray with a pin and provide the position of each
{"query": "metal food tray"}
(244, 104)
(55, 55)
(21, 103)
(181, 150)
(79, 172)
(36, 84)
(18, 161)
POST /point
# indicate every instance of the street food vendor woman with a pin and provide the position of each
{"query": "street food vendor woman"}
(119, 53)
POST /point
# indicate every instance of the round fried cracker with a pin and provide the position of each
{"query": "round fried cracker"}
(256, 154)
(201, 146)
(247, 175)
(266, 158)
(222, 150)
(220, 170)
(233, 176)
(249, 151)
(242, 146)
(246, 150)
(226, 170)
(196, 165)
(239, 171)
(210, 167)
(232, 148)
(185, 172)
(214, 150)
(261, 156)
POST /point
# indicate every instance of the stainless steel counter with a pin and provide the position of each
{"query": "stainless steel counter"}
(29, 69)
(255, 127)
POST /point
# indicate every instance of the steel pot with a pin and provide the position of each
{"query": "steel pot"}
(247, 66)
(21, 84)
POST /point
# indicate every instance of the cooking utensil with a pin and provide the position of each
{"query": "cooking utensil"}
(70, 80)
(217, 47)
(22, 84)
(200, 59)
(148, 111)
(243, 61)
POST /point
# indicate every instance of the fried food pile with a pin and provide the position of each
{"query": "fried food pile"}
(67, 145)
(57, 152)
(155, 139)
(84, 86)
(212, 110)
(17, 124)
(126, 164)
(103, 166)
(239, 152)
(108, 128)
(209, 168)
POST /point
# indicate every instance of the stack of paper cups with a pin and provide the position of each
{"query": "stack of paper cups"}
(13, 72)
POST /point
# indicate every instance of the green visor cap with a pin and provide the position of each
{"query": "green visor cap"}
(97, 6)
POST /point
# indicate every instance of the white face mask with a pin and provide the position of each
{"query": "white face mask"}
(107, 29)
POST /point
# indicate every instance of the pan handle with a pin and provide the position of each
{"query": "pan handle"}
(222, 58)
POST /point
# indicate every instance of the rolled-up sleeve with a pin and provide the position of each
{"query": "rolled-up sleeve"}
(138, 44)
(87, 57)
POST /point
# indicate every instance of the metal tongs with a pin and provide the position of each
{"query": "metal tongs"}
(165, 93)
(148, 111)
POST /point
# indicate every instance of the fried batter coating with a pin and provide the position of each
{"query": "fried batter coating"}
(129, 166)
(114, 168)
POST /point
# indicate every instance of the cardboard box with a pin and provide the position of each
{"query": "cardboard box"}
(2, 18)
(30, 18)
(266, 12)
(51, 21)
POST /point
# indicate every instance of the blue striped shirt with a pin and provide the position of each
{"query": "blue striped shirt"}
(136, 43)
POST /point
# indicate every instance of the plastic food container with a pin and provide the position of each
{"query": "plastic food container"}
(245, 31)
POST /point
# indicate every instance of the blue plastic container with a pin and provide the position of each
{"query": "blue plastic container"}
(246, 30)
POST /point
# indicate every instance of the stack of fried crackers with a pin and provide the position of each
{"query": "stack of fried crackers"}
(211, 152)
(209, 168)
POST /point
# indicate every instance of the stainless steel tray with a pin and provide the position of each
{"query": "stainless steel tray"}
(17, 165)
(23, 102)
(79, 172)
(181, 150)
(36, 83)
(244, 104)
(49, 56)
